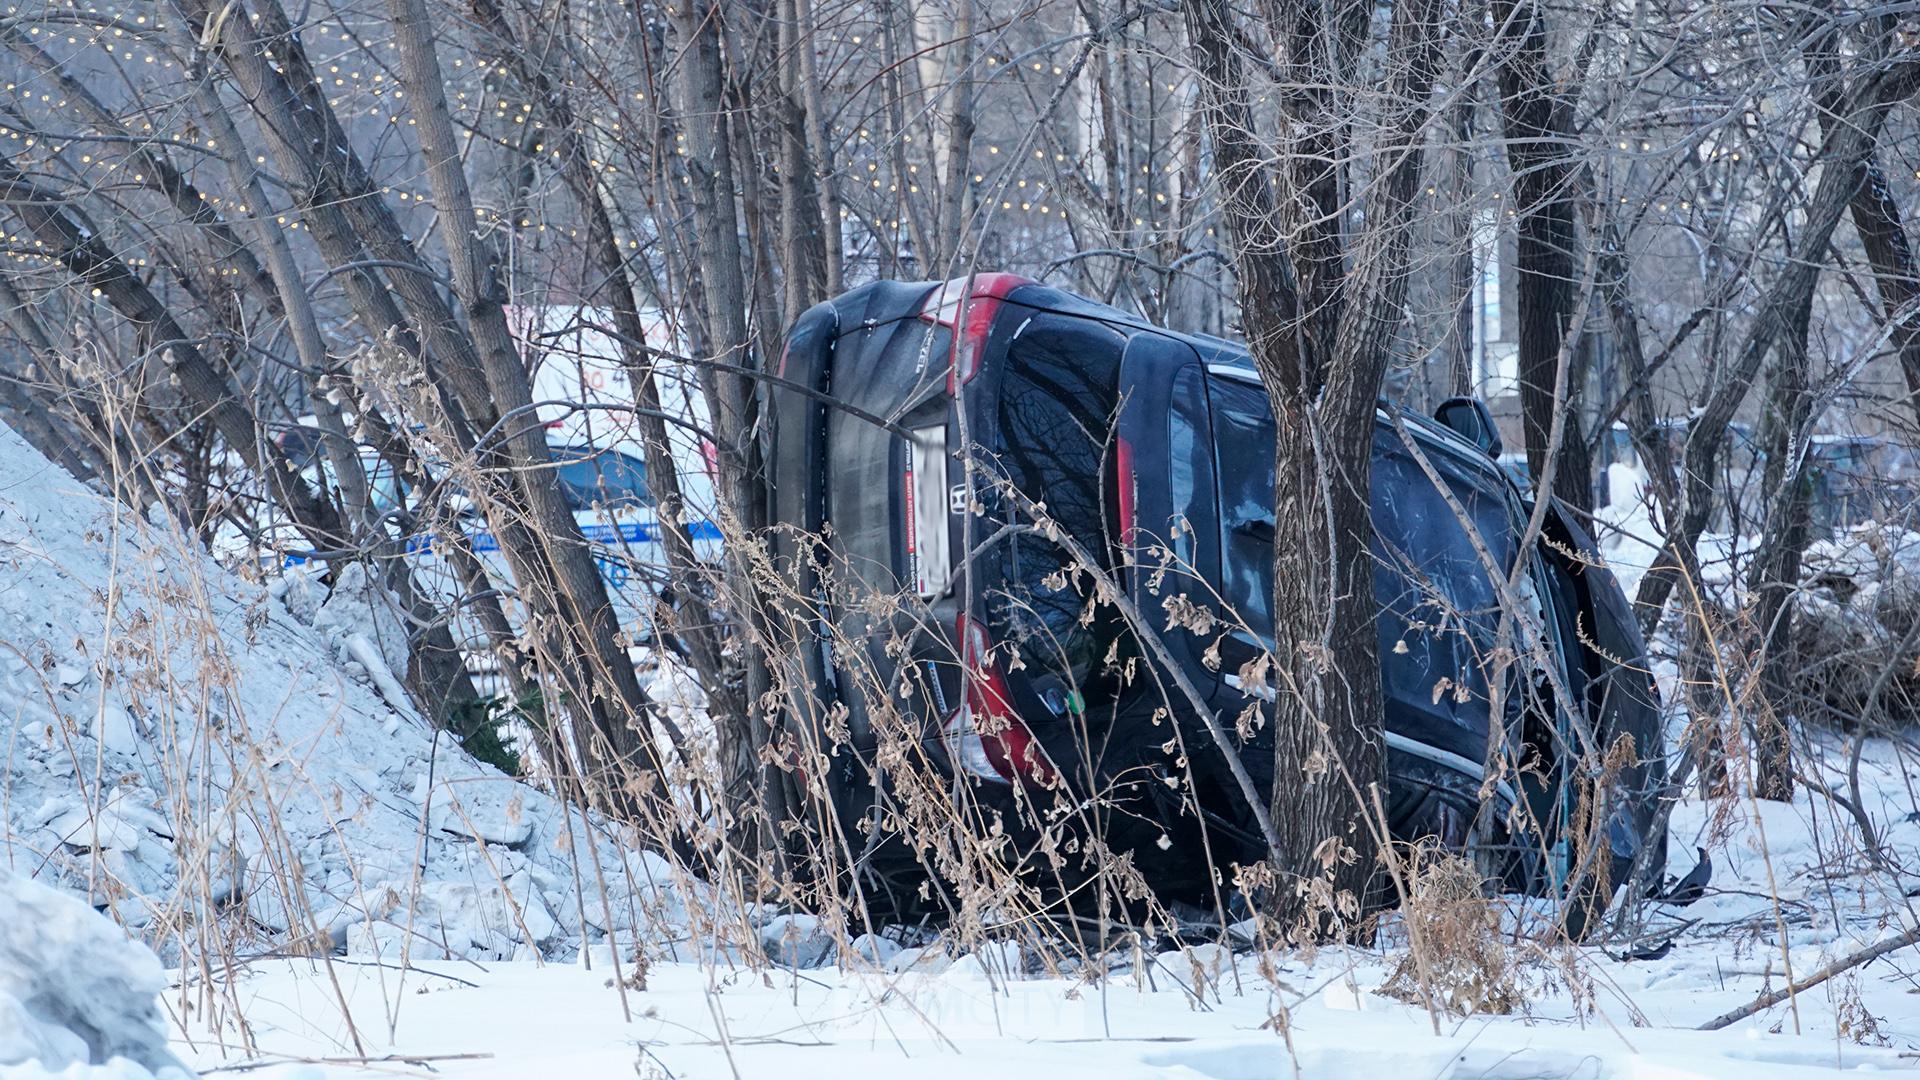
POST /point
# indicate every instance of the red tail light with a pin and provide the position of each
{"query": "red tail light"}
(984, 735)
(967, 305)
(1123, 474)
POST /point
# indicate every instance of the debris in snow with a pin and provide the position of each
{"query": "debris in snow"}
(1853, 635)
(363, 622)
(796, 941)
(490, 810)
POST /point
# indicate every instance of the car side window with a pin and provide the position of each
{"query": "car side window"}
(1441, 608)
(1057, 401)
(1190, 462)
(1243, 437)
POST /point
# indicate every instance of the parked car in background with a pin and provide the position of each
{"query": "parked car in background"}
(1153, 451)
(1852, 478)
(607, 492)
(617, 513)
(584, 399)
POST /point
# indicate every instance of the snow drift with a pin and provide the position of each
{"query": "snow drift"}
(187, 754)
(74, 992)
(1856, 629)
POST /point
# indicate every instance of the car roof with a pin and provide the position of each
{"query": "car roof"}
(567, 452)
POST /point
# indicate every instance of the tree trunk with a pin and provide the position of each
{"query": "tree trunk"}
(60, 443)
(1329, 759)
(1538, 125)
(1464, 288)
(694, 623)
(621, 742)
(752, 788)
(1876, 216)
(1310, 35)
(437, 678)
(1845, 147)
(803, 237)
(351, 220)
(81, 253)
(1896, 275)
(1775, 575)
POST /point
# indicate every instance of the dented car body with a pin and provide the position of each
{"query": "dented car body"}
(969, 446)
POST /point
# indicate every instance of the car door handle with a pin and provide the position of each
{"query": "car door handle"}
(1261, 529)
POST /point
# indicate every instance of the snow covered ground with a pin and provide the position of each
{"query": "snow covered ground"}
(227, 779)
(232, 778)
(1193, 1013)
(517, 1021)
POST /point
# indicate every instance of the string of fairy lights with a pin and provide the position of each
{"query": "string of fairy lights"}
(348, 69)
(362, 88)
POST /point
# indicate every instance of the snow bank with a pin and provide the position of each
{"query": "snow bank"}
(76, 996)
(183, 751)
(1854, 634)
(1791, 889)
(1624, 528)
(1629, 536)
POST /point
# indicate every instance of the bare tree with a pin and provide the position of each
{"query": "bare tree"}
(1539, 134)
(1328, 745)
(235, 222)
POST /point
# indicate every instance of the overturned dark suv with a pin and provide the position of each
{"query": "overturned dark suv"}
(918, 432)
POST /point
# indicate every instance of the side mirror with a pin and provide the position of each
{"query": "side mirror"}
(1470, 417)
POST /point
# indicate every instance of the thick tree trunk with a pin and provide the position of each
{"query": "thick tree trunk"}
(1312, 36)
(1896, 275)
(754, 788)
(803, 236)
(1329, 760)
(954, 186)
(1539, 125)
(826, 186)
(1786, 429)
(619, 749)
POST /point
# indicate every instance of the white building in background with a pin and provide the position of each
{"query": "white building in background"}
(585, 397)
(1496, 356)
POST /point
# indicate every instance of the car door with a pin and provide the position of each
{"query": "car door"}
(1164, 463)
(1439, 604)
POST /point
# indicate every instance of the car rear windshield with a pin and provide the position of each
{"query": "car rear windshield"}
(1058, 393)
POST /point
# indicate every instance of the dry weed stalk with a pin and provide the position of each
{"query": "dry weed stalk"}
(1457, 959)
